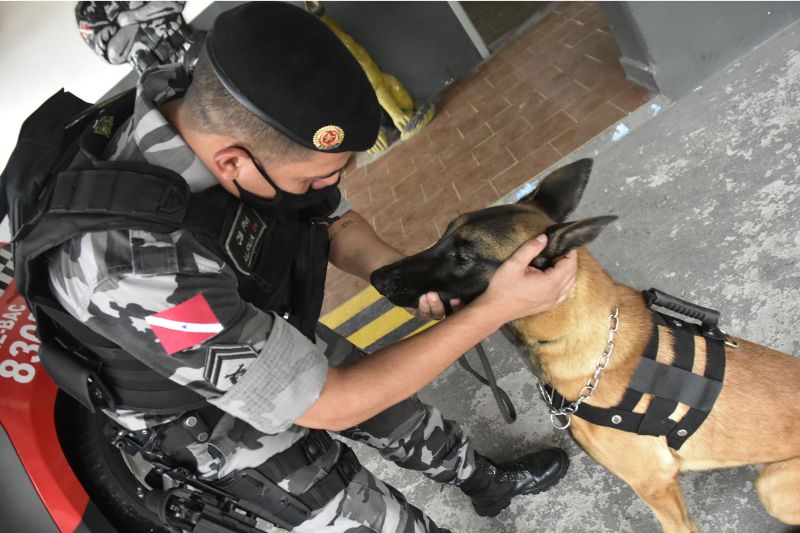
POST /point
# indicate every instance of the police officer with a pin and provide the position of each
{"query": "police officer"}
(272, 116)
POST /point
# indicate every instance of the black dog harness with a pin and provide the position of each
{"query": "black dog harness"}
(669, 384)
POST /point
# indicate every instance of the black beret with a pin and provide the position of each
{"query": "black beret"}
(286, 67)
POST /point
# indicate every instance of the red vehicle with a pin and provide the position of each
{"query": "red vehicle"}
(58, 470)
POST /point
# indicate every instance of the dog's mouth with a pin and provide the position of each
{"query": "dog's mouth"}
(451, 269)
(404, 289)
(387, 282)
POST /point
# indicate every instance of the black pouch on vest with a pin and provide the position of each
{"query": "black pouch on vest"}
(75, 377)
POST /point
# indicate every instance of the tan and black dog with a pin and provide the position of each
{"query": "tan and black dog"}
(563, 346)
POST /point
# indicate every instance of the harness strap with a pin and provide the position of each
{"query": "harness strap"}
(656, 421)
(664, 382)
(504, 403)
(604, 416)
(669, 385)
(631, 396)
(715, 373)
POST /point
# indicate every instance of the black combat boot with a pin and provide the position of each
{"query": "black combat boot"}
(492, 486)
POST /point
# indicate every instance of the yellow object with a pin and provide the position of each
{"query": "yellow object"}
(351, 308)
(386, 323)
(398, 92)
(380, 145)
(392, 96)
(422, 328)
(418, 121)
(377, 328)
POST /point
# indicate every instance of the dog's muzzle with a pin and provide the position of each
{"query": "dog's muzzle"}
(387, 281)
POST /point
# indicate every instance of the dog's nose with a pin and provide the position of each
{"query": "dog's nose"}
(380, 280)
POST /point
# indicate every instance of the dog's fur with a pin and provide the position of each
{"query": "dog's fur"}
(756, 419)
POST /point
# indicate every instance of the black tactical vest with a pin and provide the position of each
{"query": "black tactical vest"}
(280, 259)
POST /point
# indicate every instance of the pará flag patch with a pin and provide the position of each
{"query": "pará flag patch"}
(185, 325)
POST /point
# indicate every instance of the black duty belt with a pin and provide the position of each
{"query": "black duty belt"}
(668, 384)
(315, 468)
(285, 490)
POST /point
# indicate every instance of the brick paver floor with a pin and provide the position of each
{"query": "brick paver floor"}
(546, 92)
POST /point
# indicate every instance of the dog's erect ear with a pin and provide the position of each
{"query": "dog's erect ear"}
(559, 193)
(561, 238)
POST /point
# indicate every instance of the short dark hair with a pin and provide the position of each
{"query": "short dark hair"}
(212, 109)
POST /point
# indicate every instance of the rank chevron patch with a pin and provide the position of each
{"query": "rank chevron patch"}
(226, 364)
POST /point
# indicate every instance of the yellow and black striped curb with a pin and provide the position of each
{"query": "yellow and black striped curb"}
(371, 322)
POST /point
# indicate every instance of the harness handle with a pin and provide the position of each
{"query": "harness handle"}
(708, 318)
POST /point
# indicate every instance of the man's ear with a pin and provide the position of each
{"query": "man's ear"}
(561, 238)
(228, 161)
(560, 191)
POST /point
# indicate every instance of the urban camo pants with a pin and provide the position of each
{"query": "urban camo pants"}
(413, 435)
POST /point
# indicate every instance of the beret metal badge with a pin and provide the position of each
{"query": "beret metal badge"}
(328, 137)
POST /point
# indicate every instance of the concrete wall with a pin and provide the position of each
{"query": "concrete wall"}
(671, 47)
(422, 43)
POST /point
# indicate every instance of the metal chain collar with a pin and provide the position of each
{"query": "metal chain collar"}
(561, 417)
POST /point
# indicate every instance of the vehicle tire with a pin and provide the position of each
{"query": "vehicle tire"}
(99, 466)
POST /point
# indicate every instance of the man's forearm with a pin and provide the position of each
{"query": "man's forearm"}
(357, 249)
(359, 391)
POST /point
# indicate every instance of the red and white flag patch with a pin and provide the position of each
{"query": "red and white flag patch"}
(185, 325)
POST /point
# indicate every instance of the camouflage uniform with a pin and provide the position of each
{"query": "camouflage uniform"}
(142, 33)
(266, 373)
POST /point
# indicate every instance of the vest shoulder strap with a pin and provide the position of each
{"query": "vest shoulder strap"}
(119, 192)
(143, 193)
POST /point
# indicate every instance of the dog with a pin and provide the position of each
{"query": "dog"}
(562, 347)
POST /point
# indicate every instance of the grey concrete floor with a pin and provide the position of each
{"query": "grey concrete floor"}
(708, 194)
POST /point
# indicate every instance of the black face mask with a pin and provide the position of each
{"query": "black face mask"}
(286, 200)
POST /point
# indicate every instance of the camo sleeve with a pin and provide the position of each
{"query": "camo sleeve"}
(174, 305)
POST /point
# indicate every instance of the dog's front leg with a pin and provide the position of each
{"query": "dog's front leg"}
(646, 464)
(778, 487)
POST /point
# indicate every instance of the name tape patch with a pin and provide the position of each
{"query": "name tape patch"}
(244, 239)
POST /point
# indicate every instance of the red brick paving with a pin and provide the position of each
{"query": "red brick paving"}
(546, 92)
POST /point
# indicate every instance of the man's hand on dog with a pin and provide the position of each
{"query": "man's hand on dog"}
(431, 307)
(517, 289)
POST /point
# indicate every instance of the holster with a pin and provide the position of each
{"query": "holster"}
(314, 470)
(285, 490)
